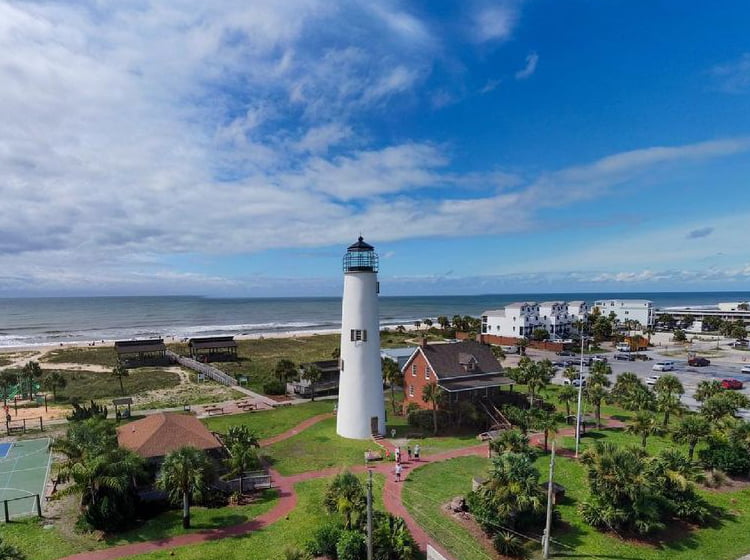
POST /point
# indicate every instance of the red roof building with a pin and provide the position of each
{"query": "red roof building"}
(157, 435)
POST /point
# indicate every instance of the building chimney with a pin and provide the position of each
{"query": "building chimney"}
(423, 342)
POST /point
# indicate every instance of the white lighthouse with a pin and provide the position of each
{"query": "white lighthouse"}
(361, 408)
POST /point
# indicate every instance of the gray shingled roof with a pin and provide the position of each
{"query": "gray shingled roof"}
(447, 360)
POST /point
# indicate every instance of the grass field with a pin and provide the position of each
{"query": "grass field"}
(272, 422)
(316, 448)
(269, 543)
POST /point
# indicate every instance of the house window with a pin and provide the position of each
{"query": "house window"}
(358, 335)
(414, 370)
(427, 372)
(411, 390)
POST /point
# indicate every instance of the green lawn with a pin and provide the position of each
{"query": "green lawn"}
(269, 423)
(429, 445)
(727, 538)
(317, 448)
(38, 543)
(428, 488)
(268, 543)
(169, 524)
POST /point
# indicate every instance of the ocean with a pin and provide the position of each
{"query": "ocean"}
(39, 321)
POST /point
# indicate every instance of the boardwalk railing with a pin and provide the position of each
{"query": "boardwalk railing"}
(210, 371)
(250, 482)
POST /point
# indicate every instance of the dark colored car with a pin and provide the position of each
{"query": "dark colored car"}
(565, 353)
(625, 357)
(731, 383)
(699, 361)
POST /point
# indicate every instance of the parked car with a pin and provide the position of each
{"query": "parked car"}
(565, 353)
(575, 382)
(745, 369)
(599, 358)
(623, 347)
(698, 361)
(731, 383)
(625, 357)
(663, 366)
(652, 379)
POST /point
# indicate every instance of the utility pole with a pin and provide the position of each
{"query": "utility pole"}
(548, 526)
(369, 514)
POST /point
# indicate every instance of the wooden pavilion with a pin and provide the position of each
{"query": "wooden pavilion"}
(140, 352)
(213, 348)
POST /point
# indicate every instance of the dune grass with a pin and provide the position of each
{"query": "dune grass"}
(96, 355)
(85, 385)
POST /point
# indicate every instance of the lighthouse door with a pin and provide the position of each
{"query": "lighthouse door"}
(374, 425)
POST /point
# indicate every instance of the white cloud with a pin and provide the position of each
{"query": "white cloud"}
(532, 59)
(491, 85)
(495, 21)
(734, 76)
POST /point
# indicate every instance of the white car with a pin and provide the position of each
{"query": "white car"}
(652, 379)
(663, 366)
(577, 382)
(745, 369)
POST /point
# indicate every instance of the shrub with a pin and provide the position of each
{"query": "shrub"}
(291, 553)
(422, 419)
(323, 542)
(508, 544)
(351, 546)
(274, 387)
(715, 478)
(83, 413)
(732, 458)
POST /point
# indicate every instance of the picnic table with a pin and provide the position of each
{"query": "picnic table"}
(214, 410)
(247, 406)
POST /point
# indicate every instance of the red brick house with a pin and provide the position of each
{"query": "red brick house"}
(464, 370)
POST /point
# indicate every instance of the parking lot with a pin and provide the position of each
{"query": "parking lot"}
(689, 376)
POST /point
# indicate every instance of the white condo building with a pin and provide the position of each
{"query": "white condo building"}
(361, 406)
(520, 319)
(641, 310)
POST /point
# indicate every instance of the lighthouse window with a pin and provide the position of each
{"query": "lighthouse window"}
(358, 335)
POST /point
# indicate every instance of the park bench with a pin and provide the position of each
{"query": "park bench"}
(50, 489)
(247, 406)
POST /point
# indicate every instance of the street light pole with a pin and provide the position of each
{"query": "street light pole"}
(580, 397)
(548, 526)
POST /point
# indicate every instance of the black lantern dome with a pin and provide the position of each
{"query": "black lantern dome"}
(360, 257)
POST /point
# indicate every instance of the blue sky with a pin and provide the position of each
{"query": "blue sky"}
(237, 148)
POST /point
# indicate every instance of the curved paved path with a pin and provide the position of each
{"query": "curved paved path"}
(288, 498)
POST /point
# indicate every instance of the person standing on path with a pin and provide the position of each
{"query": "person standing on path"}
(398, 472)
(416, 452)
(408, 453)
(398, 455)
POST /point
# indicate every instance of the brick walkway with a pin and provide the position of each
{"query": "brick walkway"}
(288, 498)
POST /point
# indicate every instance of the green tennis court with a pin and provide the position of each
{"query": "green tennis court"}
(23, 475)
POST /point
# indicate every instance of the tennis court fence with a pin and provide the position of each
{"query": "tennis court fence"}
(24, 507)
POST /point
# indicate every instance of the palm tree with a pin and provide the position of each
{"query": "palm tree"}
(8, 378)
(433, 394)
(120, 371)
(29, 373)
(567, 395)
(644, 424)
(313, 374)
(392, 375)
(513, 488)
(392, 539)
(443, 321)
(53, 381)
(668, 390)
(595, 393)
(511, 441)
(285, 370)
(692, 430)
(707, 389)
(345, 495)
(548, 423)
(184, 475)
